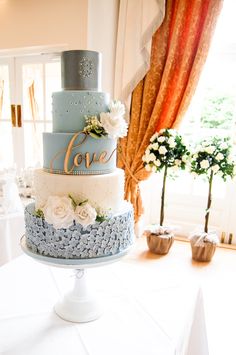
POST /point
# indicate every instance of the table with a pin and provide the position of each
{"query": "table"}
(142, 314)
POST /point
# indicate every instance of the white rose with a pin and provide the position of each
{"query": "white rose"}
(161, 139)
(204, 164)
(59, 212)
(220, 173)
(154, 169)
(171, 142)
(85, 214)
(148, 167)
(210, 149)
(117, 109)
(152, 157)
(145, 158)
(224, 145)
(155, 146)
(115, 126)
(157, 162)
(185, 158)
(177, 162)
(155, 135)
(219, 156)
(215, 168)
(162, 150)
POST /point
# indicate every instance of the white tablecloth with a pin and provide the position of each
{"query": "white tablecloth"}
(11, 227)
(141, 315)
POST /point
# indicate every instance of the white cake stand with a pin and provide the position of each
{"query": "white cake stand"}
(79, 305)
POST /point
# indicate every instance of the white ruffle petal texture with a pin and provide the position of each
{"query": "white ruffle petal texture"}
(115, 126)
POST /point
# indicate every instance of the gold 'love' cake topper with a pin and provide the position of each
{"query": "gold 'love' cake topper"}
(71, 158)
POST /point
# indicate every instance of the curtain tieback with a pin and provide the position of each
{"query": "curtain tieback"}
(127, 166)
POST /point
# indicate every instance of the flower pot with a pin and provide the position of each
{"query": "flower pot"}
(203, 246)
(159, 240)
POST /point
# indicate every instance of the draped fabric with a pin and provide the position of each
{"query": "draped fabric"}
(179, 50)
(1, 96)
(138, 21)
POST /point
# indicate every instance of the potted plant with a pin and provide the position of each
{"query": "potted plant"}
(166, 150)
(212, 157)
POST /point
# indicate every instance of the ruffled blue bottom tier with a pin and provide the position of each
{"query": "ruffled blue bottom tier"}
(100, 239)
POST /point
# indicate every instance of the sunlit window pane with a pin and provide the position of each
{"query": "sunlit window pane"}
(53, 83)
(33, 144)
(4, 76)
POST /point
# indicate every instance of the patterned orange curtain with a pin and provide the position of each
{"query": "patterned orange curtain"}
(1, 96)
(179, 50)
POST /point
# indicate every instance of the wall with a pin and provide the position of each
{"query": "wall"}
(29, 23)
(102, 31)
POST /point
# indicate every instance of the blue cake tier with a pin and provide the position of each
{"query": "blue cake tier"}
(78, 153)
(70, 107)
(100, 239)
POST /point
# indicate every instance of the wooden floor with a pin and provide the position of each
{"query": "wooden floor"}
(217, 280)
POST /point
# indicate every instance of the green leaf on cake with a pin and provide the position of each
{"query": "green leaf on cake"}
(83, 203)
(73, 200)
(100, 218)
(39, 213)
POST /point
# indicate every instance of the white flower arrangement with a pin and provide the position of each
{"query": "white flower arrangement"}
(111, 123)
(213, 156)
(63, 211)
(166, 150)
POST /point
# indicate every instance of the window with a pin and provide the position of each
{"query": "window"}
(212, 112)
(26, 81)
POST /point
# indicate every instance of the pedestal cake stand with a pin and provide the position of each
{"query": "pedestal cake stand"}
(80, 304)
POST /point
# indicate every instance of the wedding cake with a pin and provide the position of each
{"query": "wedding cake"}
(79, 211)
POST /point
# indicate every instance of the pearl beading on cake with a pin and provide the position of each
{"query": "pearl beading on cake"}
(82, 104)
(85, 67)
(105, 238)
(80, 172)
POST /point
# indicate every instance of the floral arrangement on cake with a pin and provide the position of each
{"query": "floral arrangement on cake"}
(111, 123)
(63, 211)
(212, 157)
(166, 150)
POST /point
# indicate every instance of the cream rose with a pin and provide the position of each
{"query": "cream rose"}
(148, 167)
(155, 135)
(171, 142)
(162, 150)
(85, 214)
(219, 156)
(210, 149)
(115, 126)
(215, 168)
(204, 164)
(157, 162)
(161, 139)
(59, 212)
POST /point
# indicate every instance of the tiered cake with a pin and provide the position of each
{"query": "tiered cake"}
(79, 211)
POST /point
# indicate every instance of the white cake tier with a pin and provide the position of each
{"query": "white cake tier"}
(102, 191)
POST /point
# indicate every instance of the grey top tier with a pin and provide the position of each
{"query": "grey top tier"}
(81, 70)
